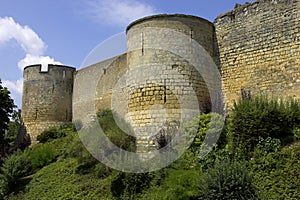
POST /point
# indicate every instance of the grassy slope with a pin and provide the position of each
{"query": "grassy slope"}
(59, 181)
(275, 175)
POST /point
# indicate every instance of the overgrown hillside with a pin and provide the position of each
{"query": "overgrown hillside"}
(257, 157)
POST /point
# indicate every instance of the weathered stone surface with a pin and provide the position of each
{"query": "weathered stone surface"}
(259, 48)
(256, 47)
(162, 81)
(47, 98)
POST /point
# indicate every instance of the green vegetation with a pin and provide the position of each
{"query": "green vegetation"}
(49, 135)
(237, 5)
(114, 132)
(6, 109)
(13, 128)
(59, 181)
(260, 117)
(13, 169)
(257, 156)
(228, 180)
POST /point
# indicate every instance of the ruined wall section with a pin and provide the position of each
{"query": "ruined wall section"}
(259, 49)
(47, 98)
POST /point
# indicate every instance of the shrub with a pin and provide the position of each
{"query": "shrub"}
(206, 127)
(14, 167)
(119, 137)
(296, 132)
(261, 117)
(203, 131)
(277, 174)
(269, 144)
(178, 184)
(49, 135)
(42, 155)
(128, 185)
(227, 180)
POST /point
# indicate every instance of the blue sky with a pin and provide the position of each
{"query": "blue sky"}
(65, 32)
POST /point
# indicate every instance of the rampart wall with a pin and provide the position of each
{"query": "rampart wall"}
(259, 49)
(255, 47)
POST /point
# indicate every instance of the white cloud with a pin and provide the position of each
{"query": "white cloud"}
(32, 59)
(14, 86)
(26, 38)
(31, 43)
(118, 12)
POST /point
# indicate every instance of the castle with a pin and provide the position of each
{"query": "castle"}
(169, 69)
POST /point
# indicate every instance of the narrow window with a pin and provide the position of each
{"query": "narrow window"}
(142, 35)
(232, 17)
(36, 113)
(165, 92)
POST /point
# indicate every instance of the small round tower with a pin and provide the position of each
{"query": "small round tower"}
(47, 98)
(165, 85)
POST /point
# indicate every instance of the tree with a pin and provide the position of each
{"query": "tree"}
(13, 128)
(6, 108)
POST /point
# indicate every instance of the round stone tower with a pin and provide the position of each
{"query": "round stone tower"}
(47, 98)
(169, 79)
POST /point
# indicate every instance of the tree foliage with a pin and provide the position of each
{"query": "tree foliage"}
(14, 167)
(6, 108)
(13, 127)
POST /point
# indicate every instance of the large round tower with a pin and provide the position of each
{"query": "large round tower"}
(169, 59)
(47, 98)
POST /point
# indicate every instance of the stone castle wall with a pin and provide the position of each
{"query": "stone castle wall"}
(47, 98)
(85, 88)
(108, 84)
(259, 48)
(164, 85)
(170, 65)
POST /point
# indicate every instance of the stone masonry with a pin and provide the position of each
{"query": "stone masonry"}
(259, 48)
(255, 47)
(47, 98)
